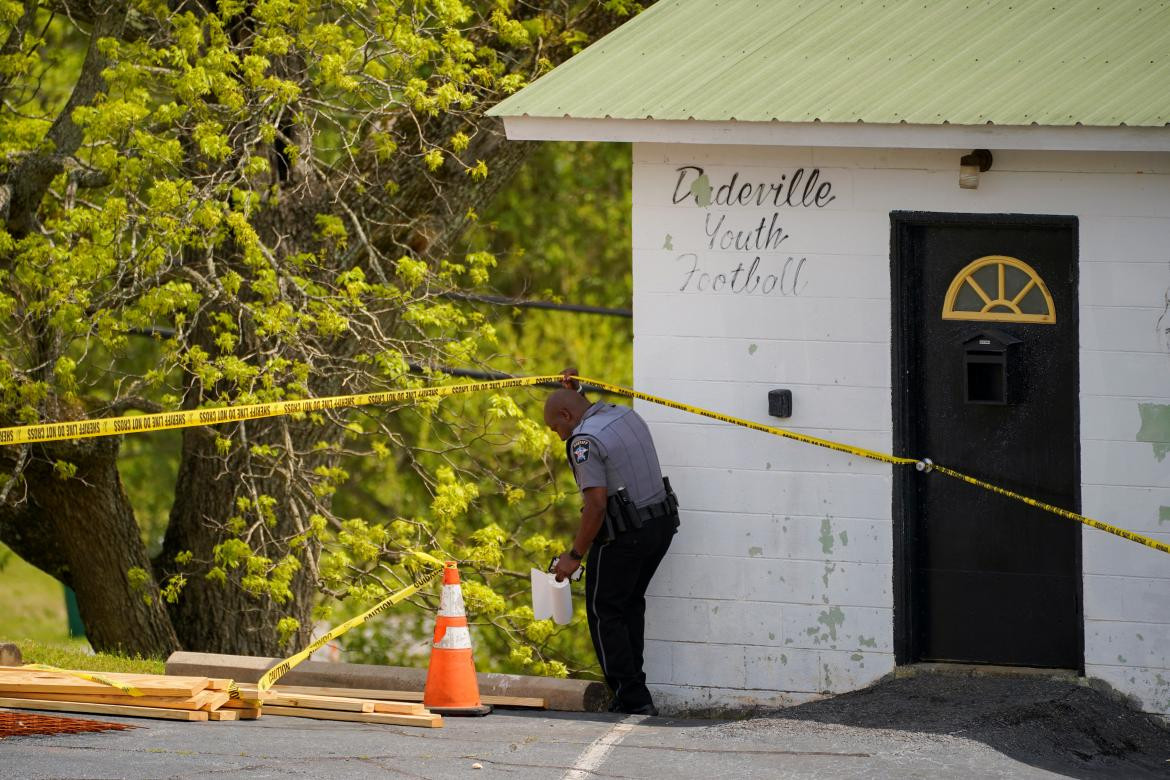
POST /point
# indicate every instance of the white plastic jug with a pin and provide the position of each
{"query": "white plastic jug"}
(551, 598)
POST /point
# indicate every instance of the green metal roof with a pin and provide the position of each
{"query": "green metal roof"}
(964, 62)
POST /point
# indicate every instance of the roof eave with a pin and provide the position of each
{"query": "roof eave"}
(853, 134)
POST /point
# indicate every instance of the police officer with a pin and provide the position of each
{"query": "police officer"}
(627, 523)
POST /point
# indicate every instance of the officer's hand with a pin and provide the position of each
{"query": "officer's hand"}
(565, 567)
(567, 379)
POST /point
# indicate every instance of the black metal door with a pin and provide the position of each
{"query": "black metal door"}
(986, 382)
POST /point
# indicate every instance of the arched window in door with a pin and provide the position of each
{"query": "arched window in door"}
(998, 288)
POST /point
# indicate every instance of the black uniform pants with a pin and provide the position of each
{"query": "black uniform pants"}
(616, 579)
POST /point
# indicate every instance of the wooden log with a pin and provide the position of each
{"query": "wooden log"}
(223, 715)
(104, 709)
(425, 721)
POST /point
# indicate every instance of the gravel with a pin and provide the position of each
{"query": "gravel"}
(1051, 725)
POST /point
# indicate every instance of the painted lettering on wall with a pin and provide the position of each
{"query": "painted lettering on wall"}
(789, 190)
(733, 223)
(743, 279)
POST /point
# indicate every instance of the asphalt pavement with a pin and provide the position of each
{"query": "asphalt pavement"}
(916, 728)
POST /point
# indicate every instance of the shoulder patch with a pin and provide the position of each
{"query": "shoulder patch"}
(580, 450)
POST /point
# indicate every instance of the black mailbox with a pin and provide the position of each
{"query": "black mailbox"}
(989, 368)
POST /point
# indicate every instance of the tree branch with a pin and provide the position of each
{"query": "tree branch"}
(31, 179)
(15, 41)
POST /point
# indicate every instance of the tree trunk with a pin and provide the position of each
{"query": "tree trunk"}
(82, 530)
(217, 617)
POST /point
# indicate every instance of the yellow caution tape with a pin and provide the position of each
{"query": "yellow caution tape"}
(1100, 526)
(129, 690)
(831, 445)
(275, 673)
(884, 458)
(190, 418)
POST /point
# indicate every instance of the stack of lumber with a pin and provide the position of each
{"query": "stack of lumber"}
(335, 704)
(174, 697)
(163, 696)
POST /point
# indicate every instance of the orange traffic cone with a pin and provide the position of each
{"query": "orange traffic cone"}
(452, 688)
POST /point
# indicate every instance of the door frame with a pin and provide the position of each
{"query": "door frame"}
(903, 361)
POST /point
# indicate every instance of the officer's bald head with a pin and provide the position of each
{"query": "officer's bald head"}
(563, 410)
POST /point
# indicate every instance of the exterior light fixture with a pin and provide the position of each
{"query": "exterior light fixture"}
(971, 165)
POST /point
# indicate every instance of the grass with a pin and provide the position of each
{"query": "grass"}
(32, 614)
(32, 604)
(66, 657)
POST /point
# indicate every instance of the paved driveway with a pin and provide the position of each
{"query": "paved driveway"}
(902, 729)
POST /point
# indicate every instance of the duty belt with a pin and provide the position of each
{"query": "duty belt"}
(621, 515)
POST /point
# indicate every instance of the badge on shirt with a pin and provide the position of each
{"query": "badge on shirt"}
(581, 451)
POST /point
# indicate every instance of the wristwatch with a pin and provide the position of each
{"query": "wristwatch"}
(574, 554)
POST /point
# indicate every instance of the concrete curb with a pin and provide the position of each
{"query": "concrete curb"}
(560, 695)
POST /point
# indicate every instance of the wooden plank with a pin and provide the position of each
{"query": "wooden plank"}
(424, 721)
(191, 703)
(223, 715)
(219, 683)
(20, 680)
(246, 703)
(246, 714)
(401, 707)
(213, 700)
(104, 709)
(320, 702)
(408, 696)
(279, 696)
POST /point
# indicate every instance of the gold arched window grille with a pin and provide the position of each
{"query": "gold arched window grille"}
(998, 288)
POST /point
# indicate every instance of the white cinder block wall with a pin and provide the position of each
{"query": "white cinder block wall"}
(778, 588)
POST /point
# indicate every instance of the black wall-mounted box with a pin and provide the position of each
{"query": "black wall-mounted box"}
(780, 403)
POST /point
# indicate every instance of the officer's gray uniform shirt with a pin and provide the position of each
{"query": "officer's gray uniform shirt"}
(611, 448)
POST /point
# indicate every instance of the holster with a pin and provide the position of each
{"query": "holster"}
(671, 498)
(622, 513)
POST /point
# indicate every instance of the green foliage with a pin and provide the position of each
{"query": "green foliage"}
(561, 229)
(265, 204)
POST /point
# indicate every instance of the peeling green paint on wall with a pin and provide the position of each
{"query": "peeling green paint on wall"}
(832, 618)
(1155, 428)
(755, 552)
(826, 536)
(701, 189)
(1163, 514)
(668, 243)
